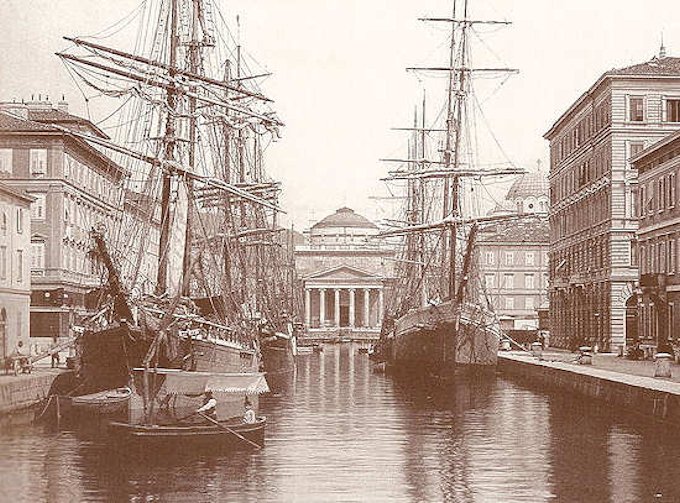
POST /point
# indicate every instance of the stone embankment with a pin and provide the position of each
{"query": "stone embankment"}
(610, 380)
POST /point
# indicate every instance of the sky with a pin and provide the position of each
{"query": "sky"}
(339, 80)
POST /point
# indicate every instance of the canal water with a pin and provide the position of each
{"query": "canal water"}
(339, 432)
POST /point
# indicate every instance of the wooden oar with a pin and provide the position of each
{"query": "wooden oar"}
(236, 434)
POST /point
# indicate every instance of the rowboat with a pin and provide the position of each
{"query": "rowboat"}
(223, 436)
(103, 402)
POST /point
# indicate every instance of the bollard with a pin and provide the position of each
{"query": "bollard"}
(586, 356)
(537, 349)
(505, 345)
(663, 365)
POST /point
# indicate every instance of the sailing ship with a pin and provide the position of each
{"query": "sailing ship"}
(191, 281)
(440, 319)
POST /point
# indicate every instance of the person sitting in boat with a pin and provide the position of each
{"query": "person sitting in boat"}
(209, 407)
(249, 414)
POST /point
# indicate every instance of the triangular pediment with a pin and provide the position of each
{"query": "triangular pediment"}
(342, 272)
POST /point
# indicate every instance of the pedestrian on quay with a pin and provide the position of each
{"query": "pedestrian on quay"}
(541, 339)
(55, 353)
(19, 349)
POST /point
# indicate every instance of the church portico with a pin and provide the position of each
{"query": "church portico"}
(344, 273)
(335, 306)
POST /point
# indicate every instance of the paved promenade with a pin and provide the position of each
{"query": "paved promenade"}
(606, 367)
(610, 362)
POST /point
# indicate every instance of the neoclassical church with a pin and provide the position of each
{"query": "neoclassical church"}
(345, 271)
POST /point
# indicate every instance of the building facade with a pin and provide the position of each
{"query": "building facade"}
(593, 222)
(15, 273)
(74, 188)
(658, 306)
(514, 254)
(344, 273)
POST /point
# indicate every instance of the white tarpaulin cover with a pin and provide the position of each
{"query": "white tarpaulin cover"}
(183, 382)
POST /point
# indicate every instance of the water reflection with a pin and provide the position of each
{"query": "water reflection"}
(339, 432)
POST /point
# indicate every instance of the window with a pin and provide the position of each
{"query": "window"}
(3, 262)
(673, 110)
(529, 281)
(38, 162)
(3, 224)
(509, 303)
(529, 303)
(508, 281)
(531, 258)
(37, 254)
(636, 106)
(490, 259)
(489, 280)
(6, 160)
(509, 258)
(20, 220)
(671, 190)
(38, 206)
(20, 265)
(636, 147)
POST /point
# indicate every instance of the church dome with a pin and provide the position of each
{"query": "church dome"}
(345, 217)
(529, 185)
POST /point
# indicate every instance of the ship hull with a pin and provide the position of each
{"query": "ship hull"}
(440, 341)
(212, 356)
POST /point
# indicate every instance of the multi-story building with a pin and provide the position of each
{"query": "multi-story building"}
(658, 311)
(15, 275)
(74, 187)
(593, 267)
(514, 254)
(344, 274)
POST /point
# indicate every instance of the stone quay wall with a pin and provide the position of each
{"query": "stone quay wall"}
(651, 397)
(24, 391)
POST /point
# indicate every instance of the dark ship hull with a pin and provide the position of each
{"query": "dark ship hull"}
(441, 341)
(105, 358)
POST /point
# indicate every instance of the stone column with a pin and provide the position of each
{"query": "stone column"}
(322, 307)
(367, 312)
(336, 313)
(380, 306)
(308, 307)
(351, 307)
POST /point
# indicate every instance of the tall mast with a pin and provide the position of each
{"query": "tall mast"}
(421, 211)
(461, 96)
(169, 140)
(194, 53)
(449, 247)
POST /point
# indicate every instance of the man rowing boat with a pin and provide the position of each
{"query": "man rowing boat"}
(209, 407)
